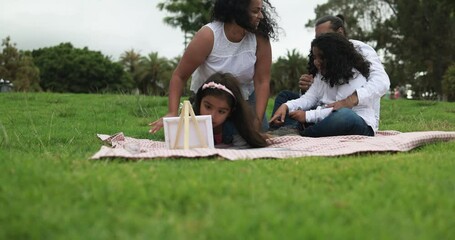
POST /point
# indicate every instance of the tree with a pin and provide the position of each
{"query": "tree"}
(188, 15)
(18, 67)
(166, 75)
(130, 61)
(27, 75)
(428, 30)
(152, 74)
(9, 59)
(449, 83)
(287, 70)
(68, 69)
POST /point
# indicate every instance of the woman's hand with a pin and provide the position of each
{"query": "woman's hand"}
(158, 124)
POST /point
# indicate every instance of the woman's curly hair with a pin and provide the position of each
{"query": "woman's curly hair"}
(239, 11)
(339, 57)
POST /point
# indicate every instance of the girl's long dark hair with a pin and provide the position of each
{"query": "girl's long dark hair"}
(239, 11)
(241, 113)
(339, 57)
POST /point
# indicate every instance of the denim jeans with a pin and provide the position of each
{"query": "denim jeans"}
(343, 121)
(281, 98)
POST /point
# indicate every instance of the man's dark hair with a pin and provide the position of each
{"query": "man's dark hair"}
(336, 22)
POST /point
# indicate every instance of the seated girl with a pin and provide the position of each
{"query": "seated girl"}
(339, 69)
(232, 118)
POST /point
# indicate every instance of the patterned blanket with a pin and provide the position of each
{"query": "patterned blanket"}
(120, 146)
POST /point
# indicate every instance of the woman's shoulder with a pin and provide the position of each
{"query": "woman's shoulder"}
(203, 37)
(260, 39)
(215, 26)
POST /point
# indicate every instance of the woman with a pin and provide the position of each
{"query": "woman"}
(237, 41)
(339, 70)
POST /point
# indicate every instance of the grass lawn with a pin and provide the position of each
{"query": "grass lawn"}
(49, 189)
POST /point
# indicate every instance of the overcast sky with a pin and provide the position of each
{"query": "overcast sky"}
(114, 26)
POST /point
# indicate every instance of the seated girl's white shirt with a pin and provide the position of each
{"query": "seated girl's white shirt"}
(237, 58)
(321, 93)
(378, 83)
(317, 114)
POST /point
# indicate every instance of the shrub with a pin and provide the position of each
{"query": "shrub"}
(448, 83)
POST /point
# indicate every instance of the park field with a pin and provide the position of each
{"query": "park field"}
(50, 189)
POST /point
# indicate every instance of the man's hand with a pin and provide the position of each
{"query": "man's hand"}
(298, 115)
(279, 116)
(305, 82)
(348, 102)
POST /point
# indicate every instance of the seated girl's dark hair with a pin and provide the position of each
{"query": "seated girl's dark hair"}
(239, 11)
(241, 113)
(340, 57)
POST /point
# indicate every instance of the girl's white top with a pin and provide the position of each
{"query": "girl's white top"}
(237, 58)
(320, 93)
(377, 83)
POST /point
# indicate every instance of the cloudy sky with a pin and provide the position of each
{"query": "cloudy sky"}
(114, 26)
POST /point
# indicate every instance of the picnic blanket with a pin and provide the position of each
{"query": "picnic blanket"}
(121, 146)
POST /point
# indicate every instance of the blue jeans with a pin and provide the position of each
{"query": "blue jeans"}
(343, 121)
(281, 98)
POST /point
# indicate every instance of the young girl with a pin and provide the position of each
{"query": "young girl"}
(339, 69)
(220, 96)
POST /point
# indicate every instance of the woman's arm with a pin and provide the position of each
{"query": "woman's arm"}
(195, 54)
(262, 75)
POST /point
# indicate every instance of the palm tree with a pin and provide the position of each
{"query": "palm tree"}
(152, 73)
(287, 70)
(130, 61)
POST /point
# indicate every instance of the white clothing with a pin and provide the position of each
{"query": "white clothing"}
(378, 83)
(320, 93)
(237, 58)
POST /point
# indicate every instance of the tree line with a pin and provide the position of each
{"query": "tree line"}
(415, 39)
(64, 68)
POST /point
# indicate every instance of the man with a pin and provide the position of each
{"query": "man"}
(377, 83)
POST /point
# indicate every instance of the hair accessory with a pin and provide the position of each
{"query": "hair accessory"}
(218, 86)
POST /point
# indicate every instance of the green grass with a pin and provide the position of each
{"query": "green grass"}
(49, 189)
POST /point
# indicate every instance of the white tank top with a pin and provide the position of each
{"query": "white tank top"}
(228, 57)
